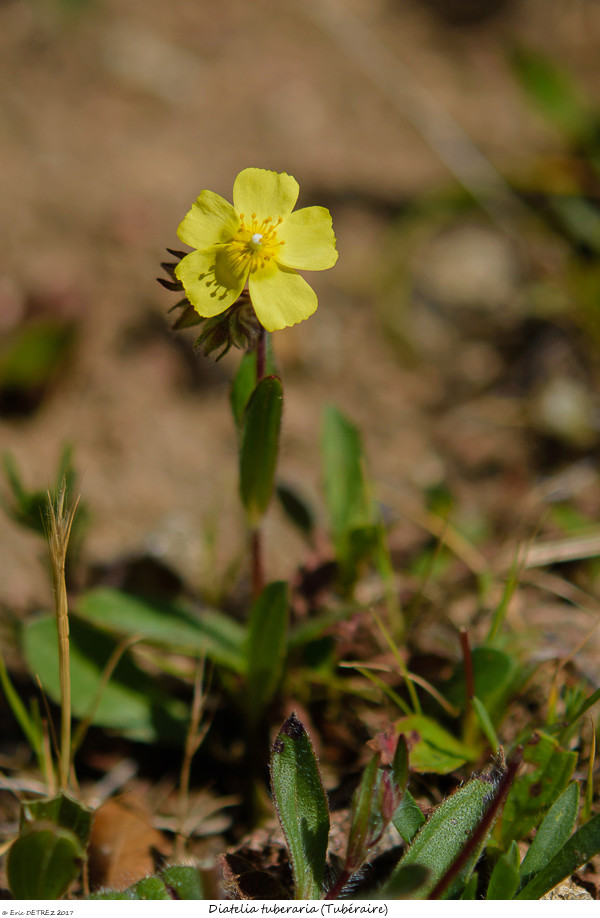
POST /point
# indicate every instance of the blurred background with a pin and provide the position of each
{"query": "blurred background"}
(457, 145)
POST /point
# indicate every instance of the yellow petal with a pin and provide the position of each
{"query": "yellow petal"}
(264, 193)
(281, 297)
(211, 220)
(210, 283)
(309, 240)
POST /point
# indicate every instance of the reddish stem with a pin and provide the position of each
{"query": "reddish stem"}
(261, 354)
(258, 569)
(258, 566)
(467, 663)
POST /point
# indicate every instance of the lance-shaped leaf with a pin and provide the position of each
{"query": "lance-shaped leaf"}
(43, 862)
(552, 834)
(260, 446)
(581, 847)
(442, 838)
(301, 806)
(504, 880)
(366, 818)
(265, 653)
(244, 381)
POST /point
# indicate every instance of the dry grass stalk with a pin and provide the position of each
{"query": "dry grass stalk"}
(58, 529)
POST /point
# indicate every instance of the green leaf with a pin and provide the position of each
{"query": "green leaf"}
(553, 91)
(260, 447)
(580, 848)
(495, 675)
(536, 789)
(29, 507)
(580, 219)
(442, 838)
(32, 355)
(301, 807)
(61, 810)
(167, 625)
(244, 381)
(504, 880)
(296, 509)
(406, 881)
(348, 502)
(26, 723)
(43, 862)
(365, 817)
(552, 834)
(470, 890)
(111, 894)
(132, 702)
(585, 706)
(432, 748)
(483, 718)
(266, 648)
(408, 817)
(150, 888)
(183, 882)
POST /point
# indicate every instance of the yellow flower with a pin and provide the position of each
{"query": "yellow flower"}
(258, 241)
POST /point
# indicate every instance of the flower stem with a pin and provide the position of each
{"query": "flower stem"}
(256, 540)
(261, 354)
(258, 567)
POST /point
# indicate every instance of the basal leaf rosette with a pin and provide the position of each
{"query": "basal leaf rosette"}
(258, 243)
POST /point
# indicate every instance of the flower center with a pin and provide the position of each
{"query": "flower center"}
(254, 244)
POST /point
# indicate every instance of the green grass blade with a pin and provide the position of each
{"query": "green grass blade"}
(26, 723)
(484, 721)
(538, 788)
(552, 834)
(504, 880)
(581, 847)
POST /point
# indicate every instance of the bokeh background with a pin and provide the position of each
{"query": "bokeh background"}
(456, 144)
